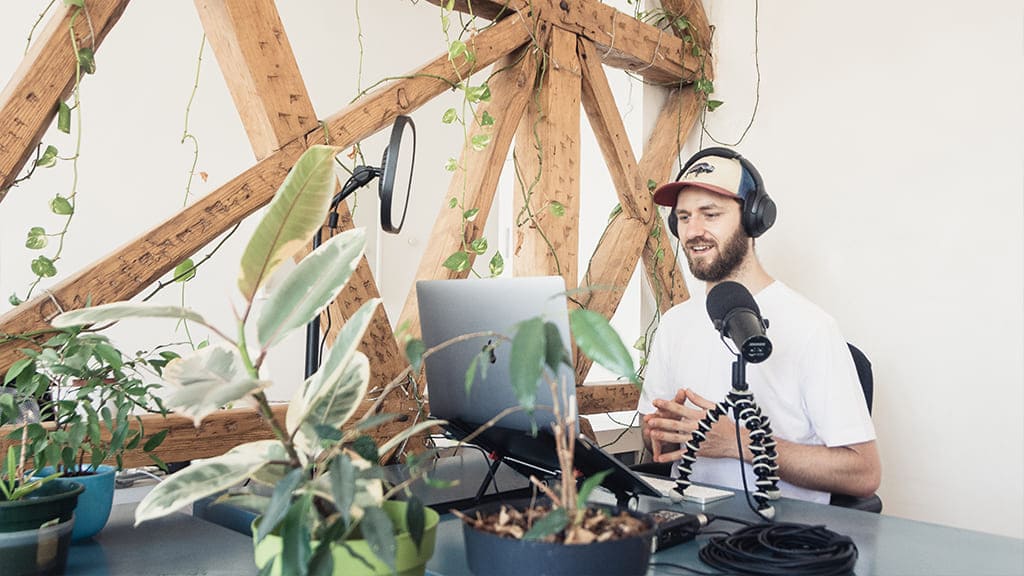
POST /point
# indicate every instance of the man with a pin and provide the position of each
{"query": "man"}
(808, 387)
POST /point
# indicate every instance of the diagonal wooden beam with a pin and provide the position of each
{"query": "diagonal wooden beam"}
(130, 269)
(656, 55)
(257, 62)
(678, 116)
(474, 184)
(263, 77)
(615, 257)
(45, 78)
(548, 169)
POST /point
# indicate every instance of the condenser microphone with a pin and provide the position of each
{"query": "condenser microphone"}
(735, 314)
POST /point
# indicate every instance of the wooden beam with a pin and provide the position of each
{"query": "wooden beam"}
(476, 180)
(259, 67)
(677, 118)
(379, 108)
(625, 42)
(693, 11)
(130, 269)
(257, 61)
(44, 78)
(601, 398)
(548, 168)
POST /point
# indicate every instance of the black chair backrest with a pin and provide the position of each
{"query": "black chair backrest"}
(867, 380)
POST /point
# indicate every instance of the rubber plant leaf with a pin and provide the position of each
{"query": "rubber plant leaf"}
(297, 210)
(206, 477)
(115, 311)
(206, 380)
(310, 286)
(328, 382)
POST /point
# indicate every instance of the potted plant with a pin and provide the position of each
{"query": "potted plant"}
(324, 503)
(36, 516)
(562, 533)
(89, 396)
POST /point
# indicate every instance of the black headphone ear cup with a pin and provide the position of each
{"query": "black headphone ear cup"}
(758, 214)
(673, 224)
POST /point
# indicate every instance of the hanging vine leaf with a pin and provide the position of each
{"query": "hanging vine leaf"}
(453, 202)
(481, 93)
(451, 165)
(457, 262)
(64, 118)
(455, 49)
(449, 116)
(497, 264)
(479, 245)
(43, 266)
(49, 157)
(713, 104)
(480, 141)
(37, 239)
(557, 208)
(87, 60)
(185, 271)
(651, 185)
(486, 119)
(61, 206)
(470, 214)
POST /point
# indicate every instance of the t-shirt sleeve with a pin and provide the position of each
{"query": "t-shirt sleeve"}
(832, 393)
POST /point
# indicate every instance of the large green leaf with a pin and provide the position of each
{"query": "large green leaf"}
(397, 439)
(527, 360)
(308, 288)
(333, 409)
(206, 380)
(113, 311)
(599, 342)
(327, 380)
(297, 210)
(379, 533)
(552, 523)
(205, 477)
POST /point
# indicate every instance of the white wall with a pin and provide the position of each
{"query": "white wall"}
(889, 135)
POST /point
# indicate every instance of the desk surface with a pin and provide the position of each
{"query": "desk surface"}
(183, 544)
(886, 545)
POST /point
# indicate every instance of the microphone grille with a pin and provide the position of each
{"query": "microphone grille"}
(727, 296)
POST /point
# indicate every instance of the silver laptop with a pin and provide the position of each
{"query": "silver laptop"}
(451, 308)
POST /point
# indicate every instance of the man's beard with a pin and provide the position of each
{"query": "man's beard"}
(730, 256)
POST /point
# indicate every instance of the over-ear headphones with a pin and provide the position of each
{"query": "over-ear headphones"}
(758, 211)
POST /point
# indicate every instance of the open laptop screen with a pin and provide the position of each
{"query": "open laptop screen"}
(452, 308)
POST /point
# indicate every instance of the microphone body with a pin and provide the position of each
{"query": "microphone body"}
(736, 315)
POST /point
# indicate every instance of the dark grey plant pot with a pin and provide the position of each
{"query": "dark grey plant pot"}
(490, 554)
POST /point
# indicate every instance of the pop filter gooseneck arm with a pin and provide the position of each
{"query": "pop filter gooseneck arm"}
(361, 176)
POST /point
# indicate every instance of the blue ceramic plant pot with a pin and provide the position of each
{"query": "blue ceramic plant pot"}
(94, 504)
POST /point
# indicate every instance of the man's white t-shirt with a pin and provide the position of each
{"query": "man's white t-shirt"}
(808, 387)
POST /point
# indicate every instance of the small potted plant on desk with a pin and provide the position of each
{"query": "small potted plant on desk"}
(89, 399)
(36, 514)
(323, 507)
(561, 534)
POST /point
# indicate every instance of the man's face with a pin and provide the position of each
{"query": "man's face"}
(709, 228)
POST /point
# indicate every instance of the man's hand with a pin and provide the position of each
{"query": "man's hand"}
(675, 421)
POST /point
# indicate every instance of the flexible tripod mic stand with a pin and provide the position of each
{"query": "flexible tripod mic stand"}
(740, 401)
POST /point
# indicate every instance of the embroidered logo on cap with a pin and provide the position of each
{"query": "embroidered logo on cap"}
(700, 168)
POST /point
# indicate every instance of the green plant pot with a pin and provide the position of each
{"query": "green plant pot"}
(409, 560)
(55, 500)
(25, 548)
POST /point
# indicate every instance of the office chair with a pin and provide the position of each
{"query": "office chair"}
(867, 383)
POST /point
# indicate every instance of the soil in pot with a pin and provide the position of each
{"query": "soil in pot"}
(610, 541)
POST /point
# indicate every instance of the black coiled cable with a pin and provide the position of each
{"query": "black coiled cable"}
(782, 548)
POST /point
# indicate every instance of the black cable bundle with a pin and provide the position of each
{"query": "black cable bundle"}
(782, 548)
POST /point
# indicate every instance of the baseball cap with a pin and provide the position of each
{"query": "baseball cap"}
(725, 176)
